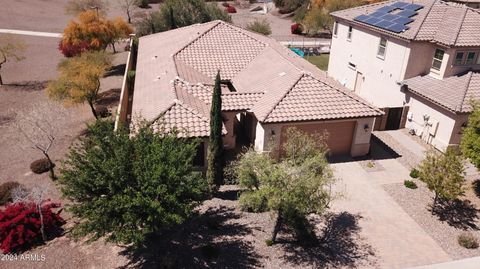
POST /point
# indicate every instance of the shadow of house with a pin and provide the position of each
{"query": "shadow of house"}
(109, 98)
(208, 240)
(460, 214)
(378, 151)
(476, 187)
(28, 86)
(339, 244)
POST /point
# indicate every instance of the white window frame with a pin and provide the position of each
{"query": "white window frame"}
(382, 55)
(350, 33)
(438, 60)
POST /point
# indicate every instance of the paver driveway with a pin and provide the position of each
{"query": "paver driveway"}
(398, 241)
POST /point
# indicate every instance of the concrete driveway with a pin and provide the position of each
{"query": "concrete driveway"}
(398, 241)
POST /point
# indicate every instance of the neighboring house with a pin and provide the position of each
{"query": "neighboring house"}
(417, 60)
(469, 3)
(266, 88)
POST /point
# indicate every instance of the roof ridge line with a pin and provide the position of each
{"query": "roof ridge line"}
(470, 73)
(193, 40)
(354, 96)
(424, 18)
(283, 96)
(461, 24)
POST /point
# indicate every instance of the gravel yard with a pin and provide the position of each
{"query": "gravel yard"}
(416, 202)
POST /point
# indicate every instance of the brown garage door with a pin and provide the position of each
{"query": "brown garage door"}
(340, 134)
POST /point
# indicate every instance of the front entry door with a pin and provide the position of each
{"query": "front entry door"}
(394, 118)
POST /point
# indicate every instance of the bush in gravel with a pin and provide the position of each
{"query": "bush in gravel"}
(253, 202)
(260, 26)
(410, 184)
(102, 111)
(414, 173)
(21, 224)
(41, 166)
(467, 240)
(6, 191)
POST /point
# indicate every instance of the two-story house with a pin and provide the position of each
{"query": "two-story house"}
(417, 60)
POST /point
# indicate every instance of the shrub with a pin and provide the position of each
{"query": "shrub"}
(253, 202)
(41, 166)
(6, 191)
(414, 173)
(296, 29)
(70, 50)
(467, 240)
(269, 242)
(102, 111)
(231, 9)
(20, 225)
(144, 4)
(410, 184)
(260, 26)
(225, 4)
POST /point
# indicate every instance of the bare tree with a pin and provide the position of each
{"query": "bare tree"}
(129, 6)
(10, 49)
(36, 195)
(39, 126)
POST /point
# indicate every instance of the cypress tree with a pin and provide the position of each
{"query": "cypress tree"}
(215, 146)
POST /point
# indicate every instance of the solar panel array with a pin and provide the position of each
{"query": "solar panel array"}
(394, 17)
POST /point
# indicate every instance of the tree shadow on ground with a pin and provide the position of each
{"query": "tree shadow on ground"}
(117, 70)
(109, 98)
(460, 214)
(476, 187)
(208, 240)
(28, 86)
(339, 245)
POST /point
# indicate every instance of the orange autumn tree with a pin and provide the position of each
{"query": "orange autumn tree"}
(92, 31)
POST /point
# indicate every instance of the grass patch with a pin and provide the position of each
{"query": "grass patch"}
(410, 184)
(320, 61)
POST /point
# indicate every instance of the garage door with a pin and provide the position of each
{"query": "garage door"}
(340, 134)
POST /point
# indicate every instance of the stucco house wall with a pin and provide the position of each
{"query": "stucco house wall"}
(269, 135)
(381, 77)
(448, 133)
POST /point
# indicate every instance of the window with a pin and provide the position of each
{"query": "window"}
(335, 28)
(437, 59)
(470, 57)
(349, 35)
(382, 47)
(478, 60)
(459, 58)
(352, 66)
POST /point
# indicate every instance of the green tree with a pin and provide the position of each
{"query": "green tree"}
(10, 49)
(443, 174)
(293, 187)
(470, 144)
(179, 13)
(79, 79)
(126, 188)
(215, 143)
(260, 26)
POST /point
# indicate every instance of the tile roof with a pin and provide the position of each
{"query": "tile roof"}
(453, 93)
(176, 69)
(445, 23)
(312, 99)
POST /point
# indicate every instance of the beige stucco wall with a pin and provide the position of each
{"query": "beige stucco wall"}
(230, 121)
(381, 76)
(268, 135)
(449, 124)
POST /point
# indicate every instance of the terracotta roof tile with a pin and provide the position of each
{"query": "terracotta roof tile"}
(441, 22)
(453, 93)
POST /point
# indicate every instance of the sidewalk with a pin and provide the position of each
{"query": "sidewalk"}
(470, 263)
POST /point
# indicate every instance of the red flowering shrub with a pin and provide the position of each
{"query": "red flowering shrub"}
(70, 50)
(296, 29)
(20, 225)
(231, 9)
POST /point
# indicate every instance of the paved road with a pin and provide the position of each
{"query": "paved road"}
(29, 33)
(398, 240)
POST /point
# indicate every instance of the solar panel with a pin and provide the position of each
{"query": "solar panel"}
(397, 28)
(399, 4)
(402, 20)
(362, 18)
(385, 17)
(389, 17)
(384, 24)
(414, 7)
(407, 13)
